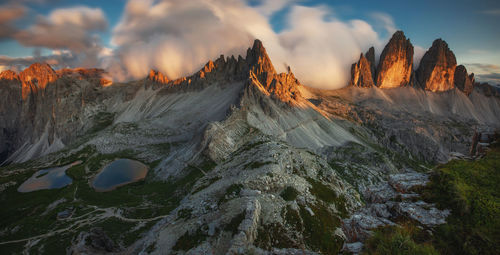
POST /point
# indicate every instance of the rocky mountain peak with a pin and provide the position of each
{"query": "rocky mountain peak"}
(36, 77)
(259, 63)
(396, 62)
(361, 73)
(282, 86)
(9, 75)
(437, 67)
(463, 81)
(370, 56)
(157, 76)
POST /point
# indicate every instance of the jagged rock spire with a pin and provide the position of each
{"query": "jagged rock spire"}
(463, 81)
(157, 76)
(361, 74)
(396, 62)
(370, 56)
(9, 75)
(437, 68)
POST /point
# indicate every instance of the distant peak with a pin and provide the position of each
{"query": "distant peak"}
(157, 76)
(39, 68)
(8, 75)
(36, 77)
(258, 60)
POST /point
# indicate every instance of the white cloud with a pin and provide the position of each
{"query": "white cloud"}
(178, 37)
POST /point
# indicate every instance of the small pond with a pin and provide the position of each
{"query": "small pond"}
(118, 173)
(51, 178)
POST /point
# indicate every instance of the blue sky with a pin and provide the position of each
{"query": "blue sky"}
(471, 28)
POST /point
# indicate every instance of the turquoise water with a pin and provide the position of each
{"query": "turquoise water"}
(118, 173)
(51, 178)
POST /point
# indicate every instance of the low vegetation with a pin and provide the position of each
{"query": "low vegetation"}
(470, 190)
(29, 214)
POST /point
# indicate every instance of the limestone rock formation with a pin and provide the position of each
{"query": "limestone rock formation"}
(370, 56)
(396, 62)
(8, 75)
(437, 68)
(36, 77)
(157, 76)
(361, 74)
(463, 81)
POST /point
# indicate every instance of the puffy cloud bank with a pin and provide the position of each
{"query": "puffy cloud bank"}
(177, 37)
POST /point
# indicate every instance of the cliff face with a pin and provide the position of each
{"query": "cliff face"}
(361, 73)
(463, 81)
(396, 62)
(370, 56)
(36, 77)
(157, 76)
(437, 68)
(46, 108)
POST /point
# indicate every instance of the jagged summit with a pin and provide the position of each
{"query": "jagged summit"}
(157, 76)
(361, 72)
(370, 56)
(396, 62)
(9, 75)
(258, 60)
(36, 77)
(437, 68)
(463, 81)
(256, 68)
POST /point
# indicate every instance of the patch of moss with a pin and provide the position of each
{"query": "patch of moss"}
(256, 164)
(189, 240)
(396, 240)
(207, 184)
(470, 189)
(292, 218)
(184, 213)
(324, 193)
(274, 236)
(289, 193)
(319, 229)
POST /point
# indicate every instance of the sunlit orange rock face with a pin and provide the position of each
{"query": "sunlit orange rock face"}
(35, 78)
(157, 76)
(396, 62)
(9, 75)
(282, 86)
(437, 68)
(361, 73)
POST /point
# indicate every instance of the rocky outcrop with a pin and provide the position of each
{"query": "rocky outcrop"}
(487, 89)
(36, 77)
(157, 76)
(396, 62)
(370, 56)
(463, 81)
(8, 75)
(437, 68)
(386, 202)
(361, 73)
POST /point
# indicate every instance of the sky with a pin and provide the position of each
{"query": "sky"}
(318, 39)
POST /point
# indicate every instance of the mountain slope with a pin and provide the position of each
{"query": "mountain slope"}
(242, 159)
